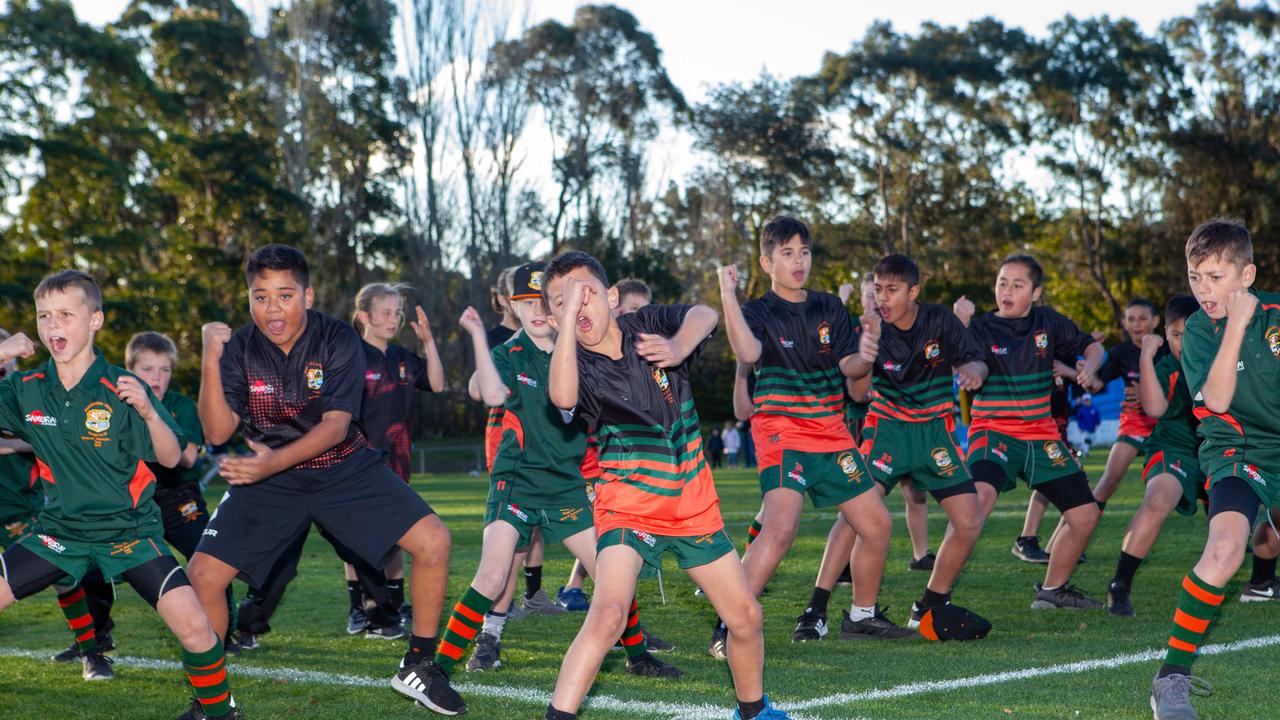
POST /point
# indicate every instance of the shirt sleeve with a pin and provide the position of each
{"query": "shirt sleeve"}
(844, 341)
(235, 381)
(1069, 341)
(588, 402)
(964, 346)
(418, 370)
(188, 420)
(1199, 348)
(662, 320)
(755, 315)
(1110, 369)
(11, 414)
(506, 373)
(343, 388)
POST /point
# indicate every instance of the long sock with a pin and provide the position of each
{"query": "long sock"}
(753, 531)
(207, 672)
(1264, 571)
(355, 594)
(464, 623)
(1126, 567)
(420, 648)
(1197, 604)
(395, 592)
(633, 633)
(818, 601)
(76, 610)
(532, 580)
(750, 709)
(494, 622)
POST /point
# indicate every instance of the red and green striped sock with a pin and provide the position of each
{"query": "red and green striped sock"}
(464, 624)
(207, 673)
(633, 633)
(753, 531)
(1197, 604)
(76, 610)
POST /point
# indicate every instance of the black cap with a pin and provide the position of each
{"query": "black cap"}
(526, 282)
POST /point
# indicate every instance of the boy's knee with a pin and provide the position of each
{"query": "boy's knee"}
(746, 618)
(1226, 553)
(610, 618)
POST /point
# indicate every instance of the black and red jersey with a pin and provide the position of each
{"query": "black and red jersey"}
(1122, 363)
(282, 397)
(496, 335)
(912, 378)
(1019, 353)
(390, 380)
(799, 392)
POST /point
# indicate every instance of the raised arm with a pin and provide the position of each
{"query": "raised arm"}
(1154, 401)
(164, 441)
(563, 376)
(485, 384)
(1220, 386)
(858, 366)
(216, 416)
(435, 370)
(745, 345)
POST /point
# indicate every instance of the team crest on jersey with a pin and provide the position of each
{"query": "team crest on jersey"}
(849, 466)
(97, 420)
(797, 475)
(524, 379)
(933, 353)
(942, 458)
(1273, 340)
(1042, 340)
(1054, 451)
(664, 384)
(824, 337)
(189, 510)
(882, 463)
(315, 376)
(535, 280)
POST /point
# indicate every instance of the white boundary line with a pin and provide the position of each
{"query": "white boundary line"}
(684, 711)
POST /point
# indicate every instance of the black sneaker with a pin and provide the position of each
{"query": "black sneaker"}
(1118, 599)
(1260, 592)
(810, 626)
(1027, 549)
(357, 621)
(487, 655)
(653, 643)
(105, 645)
(1067, 597)
(427, 683)
(246, 640)
(876, 627)
(846, 576)
(647, 665)
(196, 712)
(231, 647)
(386, 632)
(96, 667)
(924, 562)
(406, 615)
(719, 639)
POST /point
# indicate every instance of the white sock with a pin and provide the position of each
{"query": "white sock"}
(493, 624)
(1046, 587)
(861, 613)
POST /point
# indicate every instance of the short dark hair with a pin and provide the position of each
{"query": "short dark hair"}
(155, 342)
(565, 263)
(1033, 267)
(779, 230)
(1142, 302)
(1221, 237)
(281, 258)
(633, 286)
(898, 267)
(64, 280)
(1179, 307)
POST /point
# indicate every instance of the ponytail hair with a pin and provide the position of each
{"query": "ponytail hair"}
(369, 293)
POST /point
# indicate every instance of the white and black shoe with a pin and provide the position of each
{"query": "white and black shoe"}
(810, 626)
(1260, 592)
(427, 683)
(96, 667)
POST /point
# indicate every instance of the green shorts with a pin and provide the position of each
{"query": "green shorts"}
(1035, 461)
(1138, 442)
(14, 528)
(1183, 465)
(690, 551)
(925, 452)
(830, 478)
(1256, 467)
(77, 558)
(557, 524)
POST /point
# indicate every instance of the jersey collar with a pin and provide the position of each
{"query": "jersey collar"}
(92, 376)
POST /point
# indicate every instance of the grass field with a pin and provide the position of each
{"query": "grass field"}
(829, 679)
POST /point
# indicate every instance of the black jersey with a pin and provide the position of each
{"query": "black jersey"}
(912, 378)
(282, 397)
(1122, 362)
(1019, 353)
(654, 477)
(390, 380)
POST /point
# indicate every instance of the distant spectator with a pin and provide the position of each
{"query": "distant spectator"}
(1087, 419)
(715, 447)
(732, 443)
(748, 444)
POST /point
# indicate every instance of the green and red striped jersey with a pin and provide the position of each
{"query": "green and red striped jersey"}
(912, 379)
(1176, 428)
(1019, 353)
(1122, 363)
(496, 335)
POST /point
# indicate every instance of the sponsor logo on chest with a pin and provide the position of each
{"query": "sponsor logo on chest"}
(784, 342)
(371, 376)
(261, 387)
(999, 350)
(36, 417)
(524, 379)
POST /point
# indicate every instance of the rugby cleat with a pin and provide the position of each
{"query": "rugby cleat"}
(105, 645)
(769, 713)
(923, 563)
(540, 604)
(573, 600)
(948, 622)
(719, 641)
(357, 621)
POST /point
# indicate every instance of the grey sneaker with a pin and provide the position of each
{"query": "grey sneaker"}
(1171, 696)
(1027, 549)
(357, 621)
(1260, 592)
(1067, 597)
(515, 612)
(487, 655)
(540, 604)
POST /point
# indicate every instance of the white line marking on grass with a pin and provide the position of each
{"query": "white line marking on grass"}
(909, 689)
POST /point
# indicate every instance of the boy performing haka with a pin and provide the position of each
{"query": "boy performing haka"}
(628, 378)
(295, 377)
(1231, 358)
(801, 343)
(94, 428)
(1013, 433)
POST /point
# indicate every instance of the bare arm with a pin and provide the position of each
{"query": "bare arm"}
(9, 446)
(189, 455)
(265, 462)
(485, 384)
(164, 442)
(1152, 396)
(742, 405)
(216, 416)
(1220, 386)
(562, 378)
(859, 390)
(745, 345)
(435, 370)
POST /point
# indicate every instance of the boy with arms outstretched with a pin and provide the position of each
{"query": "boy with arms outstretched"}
(628, 378)
(94, 428)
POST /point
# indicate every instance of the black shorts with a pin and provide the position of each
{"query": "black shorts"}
(360, 502)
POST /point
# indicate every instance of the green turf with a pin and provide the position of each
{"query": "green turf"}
(309, 634)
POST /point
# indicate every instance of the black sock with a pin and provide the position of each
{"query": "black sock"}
(934, 599)
(1102, 505)
(355, 593)
(554, 714)
(395, 593)
(751, 709)
(1126, 567)
(818, 603)
(1264, 571)
(420, 648)
(532, 580)
(1166, 670)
